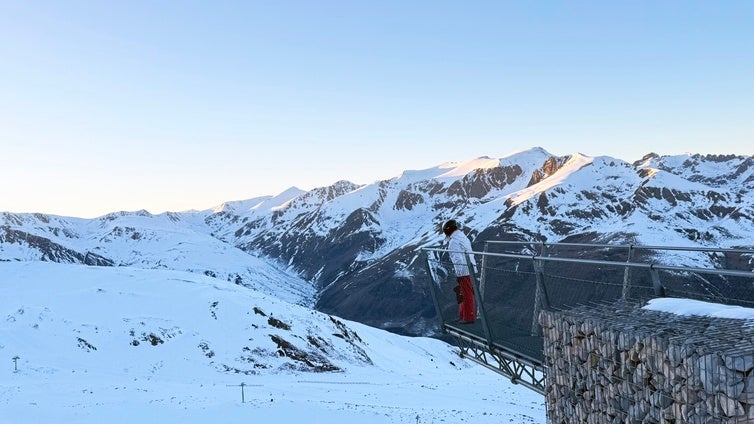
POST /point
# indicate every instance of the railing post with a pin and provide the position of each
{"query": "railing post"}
(479, 304)
(540, 296)
(433, 284)
(656, 283)
(627, 275)
(483, 273)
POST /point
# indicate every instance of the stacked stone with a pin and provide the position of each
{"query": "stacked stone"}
(619, 363)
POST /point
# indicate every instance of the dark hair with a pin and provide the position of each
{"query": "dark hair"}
(449, 226)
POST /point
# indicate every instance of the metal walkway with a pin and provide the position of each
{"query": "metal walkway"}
(519, 279)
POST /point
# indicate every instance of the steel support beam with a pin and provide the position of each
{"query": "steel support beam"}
(519, 370)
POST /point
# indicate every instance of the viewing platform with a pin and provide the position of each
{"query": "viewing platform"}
(518, 280)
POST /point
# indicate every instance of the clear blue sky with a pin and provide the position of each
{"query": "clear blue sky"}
(126, 105)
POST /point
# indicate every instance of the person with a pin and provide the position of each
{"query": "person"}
(459, 247)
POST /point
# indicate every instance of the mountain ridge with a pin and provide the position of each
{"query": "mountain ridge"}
(352, 250)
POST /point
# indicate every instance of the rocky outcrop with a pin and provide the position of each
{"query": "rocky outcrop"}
(48, 251)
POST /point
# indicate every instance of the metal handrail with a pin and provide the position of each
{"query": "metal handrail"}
(643, 265)
(626, 246)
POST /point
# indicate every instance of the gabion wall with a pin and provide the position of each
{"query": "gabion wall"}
(622, 364)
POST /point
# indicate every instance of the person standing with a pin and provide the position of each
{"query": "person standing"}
(459, 247)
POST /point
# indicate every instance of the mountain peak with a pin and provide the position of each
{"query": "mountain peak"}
(283, 198)
(536, 151)
(258, 204)
(459, 169)
(238, 206)
(290, 193)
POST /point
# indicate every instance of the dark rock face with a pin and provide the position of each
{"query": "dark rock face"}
(97, 260)
(407, 200)
(50, 251)
(380, 296)
(550, 167)
(482, 181)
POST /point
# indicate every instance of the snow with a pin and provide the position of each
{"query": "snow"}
(662, 179)
(74, 329)
(239, 206)
(259, 205)
(464, 168)
(574, 164)
(689, 307)
(528, 159)
(162, 241)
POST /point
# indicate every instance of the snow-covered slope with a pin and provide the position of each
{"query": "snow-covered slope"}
(123, 344)
(139, 239)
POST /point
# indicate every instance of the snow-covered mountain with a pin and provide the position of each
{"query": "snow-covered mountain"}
(353, 249)
(139, 239)
(84, 344)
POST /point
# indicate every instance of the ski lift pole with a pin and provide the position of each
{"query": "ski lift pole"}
(15, 363)
(242, 385)
(243, 398)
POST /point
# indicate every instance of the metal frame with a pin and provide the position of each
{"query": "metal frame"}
(623, 246)
(519, 369)
(643, 265)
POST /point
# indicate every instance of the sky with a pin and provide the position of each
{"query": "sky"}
(108, 106)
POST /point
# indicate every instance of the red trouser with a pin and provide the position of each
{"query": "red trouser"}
(467, 308)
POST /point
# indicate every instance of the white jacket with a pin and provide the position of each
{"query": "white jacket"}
(458, 244)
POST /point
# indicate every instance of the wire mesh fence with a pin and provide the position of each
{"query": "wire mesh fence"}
(516, 280)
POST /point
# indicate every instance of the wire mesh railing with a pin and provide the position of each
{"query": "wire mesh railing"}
(516, 280)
